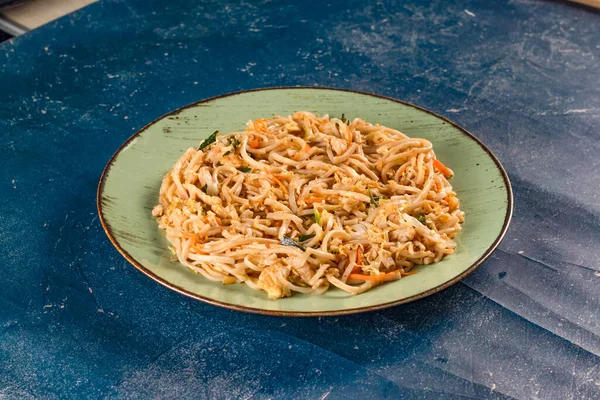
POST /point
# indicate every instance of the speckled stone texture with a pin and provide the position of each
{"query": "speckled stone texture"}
(77, 321)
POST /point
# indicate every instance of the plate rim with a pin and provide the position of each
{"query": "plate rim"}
(486, 254)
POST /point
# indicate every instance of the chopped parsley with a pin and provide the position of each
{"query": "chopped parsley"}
(204, 188)
(245, 169)
(374, 199)
(304, 238)
(288, 241)
(317, 217)
(208, 141)
(344, 119)
(233, 143)
(421, 218)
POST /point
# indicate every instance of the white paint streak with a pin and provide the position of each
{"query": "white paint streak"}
(326, 394)
(60, 233)
(580, 110)
(572, 111)
(469, 13)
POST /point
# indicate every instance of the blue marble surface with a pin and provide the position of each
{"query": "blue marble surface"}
(77, 321)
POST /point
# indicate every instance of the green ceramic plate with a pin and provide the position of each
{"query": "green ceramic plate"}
(130, 183)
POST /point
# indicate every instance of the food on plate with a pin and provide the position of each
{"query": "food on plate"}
(301, 203)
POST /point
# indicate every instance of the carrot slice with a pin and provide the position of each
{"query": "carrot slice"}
(190, 235)
(381, 277)
(283, 187)
(254, 144)
(359, 254)
(442, 168)
(313, 200)
(260, 126)
(299, 154)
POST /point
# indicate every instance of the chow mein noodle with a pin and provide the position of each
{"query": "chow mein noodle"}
(301, 203)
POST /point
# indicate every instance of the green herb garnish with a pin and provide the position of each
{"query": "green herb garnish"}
(288, 241)
(208, 141)
(344, 119)
(304, 238)
(317, 217)
(421, 218)
(374, 200)
(233, 143)
(204, 188)
(245, 169)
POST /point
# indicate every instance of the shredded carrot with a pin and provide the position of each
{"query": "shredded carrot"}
(314, 200)
(260, 126)
(452, 202)
(282, 186)
(349, 137)
(359, 254)
(299, 154)
(190, 235)
(278, 182)
(356, 269)
(381, 277)
(442, 168)
(254, 144)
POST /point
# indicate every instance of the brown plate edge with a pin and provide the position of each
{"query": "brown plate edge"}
(486, 254)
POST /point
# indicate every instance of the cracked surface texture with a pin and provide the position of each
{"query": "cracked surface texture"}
(76, 320)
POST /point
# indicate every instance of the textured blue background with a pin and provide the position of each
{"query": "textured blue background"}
(76, 320)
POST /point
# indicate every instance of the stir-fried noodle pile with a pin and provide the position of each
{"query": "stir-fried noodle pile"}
(300, 203)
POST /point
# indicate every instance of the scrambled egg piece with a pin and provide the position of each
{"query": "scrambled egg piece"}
(233, 160)
(216, 153)
(404, 234)
(338, 145)
(452, 202)
(158, 211)
(376, 234)
(268, 282)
